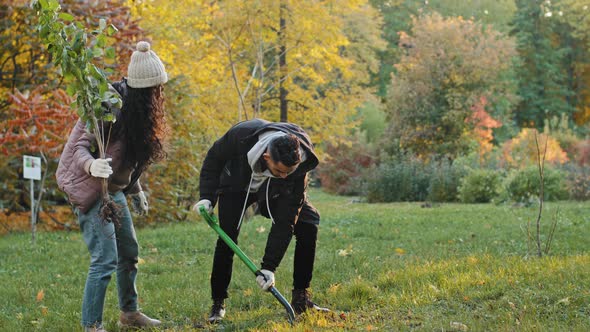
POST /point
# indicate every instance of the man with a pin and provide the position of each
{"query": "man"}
(263, 162)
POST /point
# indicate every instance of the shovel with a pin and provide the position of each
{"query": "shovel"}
(213, 223)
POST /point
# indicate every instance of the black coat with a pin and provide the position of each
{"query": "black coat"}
(226, 169)
(226, 165)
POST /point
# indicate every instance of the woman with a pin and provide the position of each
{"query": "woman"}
(135, 143)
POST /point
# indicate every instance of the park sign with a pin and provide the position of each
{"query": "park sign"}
(31, 167)
(32, 171)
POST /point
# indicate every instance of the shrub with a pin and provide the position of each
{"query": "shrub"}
(580, 152)
(578, 182)
(479, 186)
(399, 179)
(521, 151)
(444, 181)
(343, 169)
(559, 128)
(408, 178)
(523, 185)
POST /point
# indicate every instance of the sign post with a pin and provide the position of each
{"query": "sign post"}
(32, 171)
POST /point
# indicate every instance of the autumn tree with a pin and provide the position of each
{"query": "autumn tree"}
(483, 127)
(397, 17)
(39, 124)
(240, 43)
(29, 77)
(449, 65)
(521, 151)
(24, 62)
(226, 60)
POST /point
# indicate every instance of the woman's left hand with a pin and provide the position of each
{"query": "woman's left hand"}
(140, 203)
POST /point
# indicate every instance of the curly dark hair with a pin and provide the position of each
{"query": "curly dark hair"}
(141, 124)
(285, 149)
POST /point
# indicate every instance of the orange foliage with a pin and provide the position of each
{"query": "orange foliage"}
(483, 126)
(39, 122)
(521, 151)
(52, 218)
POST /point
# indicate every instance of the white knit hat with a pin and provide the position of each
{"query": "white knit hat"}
(145, 68)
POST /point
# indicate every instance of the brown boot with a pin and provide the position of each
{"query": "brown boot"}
(137, 320)
(301, 301)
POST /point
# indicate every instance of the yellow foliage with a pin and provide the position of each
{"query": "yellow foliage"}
(220, 50)
(522, 151)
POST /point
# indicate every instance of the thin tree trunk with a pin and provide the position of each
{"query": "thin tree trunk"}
(283, 70)
(541, 168)
(41, 187)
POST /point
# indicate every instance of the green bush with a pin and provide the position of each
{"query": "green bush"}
(523, 185)
(407, 178)
(445, 178)
(479, 186)
(399, 179)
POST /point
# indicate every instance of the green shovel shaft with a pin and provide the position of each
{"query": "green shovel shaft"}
(213, 223)
(230, 243)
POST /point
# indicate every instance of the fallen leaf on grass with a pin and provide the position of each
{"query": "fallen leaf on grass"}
(459, 326)
(40, 295)
(322, 322)
(334, 288)
(345, 252)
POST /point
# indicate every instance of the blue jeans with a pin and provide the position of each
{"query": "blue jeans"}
(111, 249)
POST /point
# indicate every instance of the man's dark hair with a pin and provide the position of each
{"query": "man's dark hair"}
(285, 149)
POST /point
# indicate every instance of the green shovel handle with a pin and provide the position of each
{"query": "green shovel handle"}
(214, 223)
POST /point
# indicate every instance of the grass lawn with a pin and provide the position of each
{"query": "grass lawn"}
(385, 267)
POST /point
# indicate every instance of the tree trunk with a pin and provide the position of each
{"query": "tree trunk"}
(283, 70)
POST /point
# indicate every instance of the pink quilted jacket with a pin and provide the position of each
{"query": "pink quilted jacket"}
(72, 175)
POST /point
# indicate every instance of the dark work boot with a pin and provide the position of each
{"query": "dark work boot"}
(301, 301)
(217, 311)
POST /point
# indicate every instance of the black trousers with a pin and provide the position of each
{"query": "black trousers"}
(305, 231)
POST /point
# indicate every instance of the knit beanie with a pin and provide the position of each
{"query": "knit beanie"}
(145, 68)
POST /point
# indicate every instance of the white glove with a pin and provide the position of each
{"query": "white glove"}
(266, 280)
(140, 203)
(205, 203)
(100, 168)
